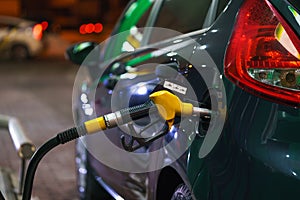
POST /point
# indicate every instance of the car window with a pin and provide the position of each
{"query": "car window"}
(4, 29)
(3, 25)
(221, 6)
(182, 16)
(6, 26)
(134, 17)
(134, 39)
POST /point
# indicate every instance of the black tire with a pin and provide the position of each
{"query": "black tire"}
(87, 186)
(182, 192)
(19, 52)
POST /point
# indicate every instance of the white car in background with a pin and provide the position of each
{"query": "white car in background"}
(19, 38)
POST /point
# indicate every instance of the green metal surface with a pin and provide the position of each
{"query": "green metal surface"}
(129, 20)
(139, 59)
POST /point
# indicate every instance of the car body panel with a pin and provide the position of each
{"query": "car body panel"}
(257, 155)
(95, 165)
(104, 108)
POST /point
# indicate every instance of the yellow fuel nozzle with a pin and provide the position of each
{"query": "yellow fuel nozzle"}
(169, 106)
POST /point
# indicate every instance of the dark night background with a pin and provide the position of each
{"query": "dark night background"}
(65, 14)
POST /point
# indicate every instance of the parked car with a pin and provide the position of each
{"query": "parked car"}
(20, 38)
(254, 44)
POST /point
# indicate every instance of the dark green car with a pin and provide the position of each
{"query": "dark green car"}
(245, 67)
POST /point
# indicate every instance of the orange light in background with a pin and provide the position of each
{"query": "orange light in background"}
(37, 31)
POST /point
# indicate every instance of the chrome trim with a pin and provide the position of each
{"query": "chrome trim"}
(24, 147)
(111, 191)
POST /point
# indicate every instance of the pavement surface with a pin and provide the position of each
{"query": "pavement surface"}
(39, 93)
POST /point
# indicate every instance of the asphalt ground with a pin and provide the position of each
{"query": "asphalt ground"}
(39, 94)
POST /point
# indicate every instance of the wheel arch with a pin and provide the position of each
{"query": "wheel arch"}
(20, 44)
(167, 182)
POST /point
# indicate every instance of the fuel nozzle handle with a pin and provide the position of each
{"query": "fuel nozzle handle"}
(167, 104)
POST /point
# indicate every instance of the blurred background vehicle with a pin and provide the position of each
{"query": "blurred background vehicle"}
(255, 46)
(21, 39)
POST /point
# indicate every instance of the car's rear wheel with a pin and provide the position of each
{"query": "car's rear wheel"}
(182, 192)
(19, 52)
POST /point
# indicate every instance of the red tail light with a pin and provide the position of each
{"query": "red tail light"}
(44, 25)
(91, 28)
(263, 54)
(37, 31)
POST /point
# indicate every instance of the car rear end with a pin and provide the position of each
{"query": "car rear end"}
(257, 156)
(22, 38)
(255, 44)
(33, 35)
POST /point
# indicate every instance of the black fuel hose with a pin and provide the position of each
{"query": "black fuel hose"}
(126, 115)
(60, 138)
